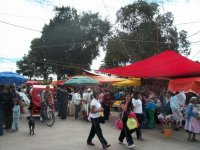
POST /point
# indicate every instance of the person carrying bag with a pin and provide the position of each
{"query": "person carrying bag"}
(132, 122)
(126, 107)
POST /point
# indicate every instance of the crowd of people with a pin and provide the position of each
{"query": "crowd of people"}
(78, 102)
(146, 103)
(11, 107)
(94, 105)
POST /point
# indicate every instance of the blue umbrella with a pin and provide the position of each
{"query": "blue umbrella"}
(10, 78)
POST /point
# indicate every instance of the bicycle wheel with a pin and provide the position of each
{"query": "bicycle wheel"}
(50, 118)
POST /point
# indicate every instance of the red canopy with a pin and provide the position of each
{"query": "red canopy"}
(185, 85)
(165, 64)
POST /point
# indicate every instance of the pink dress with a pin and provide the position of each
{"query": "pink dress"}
(192, 124)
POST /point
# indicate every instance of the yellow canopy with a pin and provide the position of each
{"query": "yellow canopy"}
(128, 82)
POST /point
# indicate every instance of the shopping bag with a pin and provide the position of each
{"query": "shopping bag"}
(131, 123)
(133, 115)
(119, 124)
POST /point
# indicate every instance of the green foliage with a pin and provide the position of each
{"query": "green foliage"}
(26, 68)
(144, 33)
(69, 42)
(116, 53)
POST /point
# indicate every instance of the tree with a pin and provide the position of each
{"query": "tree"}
(26, 67)
(144, 33)
(79, 37)
(69, 42)
(116, 55)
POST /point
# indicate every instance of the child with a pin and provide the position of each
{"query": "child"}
(16, 115)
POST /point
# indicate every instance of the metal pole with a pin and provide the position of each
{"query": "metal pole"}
(34, 70)
(157, 39)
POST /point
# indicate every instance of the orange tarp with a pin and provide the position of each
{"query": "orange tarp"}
(185, 85)
(104, 79)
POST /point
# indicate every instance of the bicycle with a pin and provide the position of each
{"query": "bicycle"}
(49, 114)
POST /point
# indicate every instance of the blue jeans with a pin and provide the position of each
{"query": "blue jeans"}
(15, 123)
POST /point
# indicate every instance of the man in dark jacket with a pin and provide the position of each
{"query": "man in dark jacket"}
(7, 107)
(58, 98)
(63, 103)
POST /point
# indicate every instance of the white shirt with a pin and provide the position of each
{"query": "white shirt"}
(97, 105)
(77, 99)
(137, 106)
(87, 97)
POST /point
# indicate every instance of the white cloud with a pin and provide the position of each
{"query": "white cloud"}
(15, 41)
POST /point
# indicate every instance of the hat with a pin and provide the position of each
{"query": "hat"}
(89, 89)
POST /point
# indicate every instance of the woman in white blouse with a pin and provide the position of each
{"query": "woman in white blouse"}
(137, 109)
(95, 109)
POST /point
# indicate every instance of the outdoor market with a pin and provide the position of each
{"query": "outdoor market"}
(96, 74)
(165, 92)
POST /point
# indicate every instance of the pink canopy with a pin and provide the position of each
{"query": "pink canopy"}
(166, 64)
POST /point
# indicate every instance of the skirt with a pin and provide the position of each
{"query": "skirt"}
(192, 125)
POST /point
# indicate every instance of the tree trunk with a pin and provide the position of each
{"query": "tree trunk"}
(45, 75)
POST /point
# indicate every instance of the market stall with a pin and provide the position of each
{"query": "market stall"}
(128, 82)
(168, 64)
(185, 85)
(102, 79)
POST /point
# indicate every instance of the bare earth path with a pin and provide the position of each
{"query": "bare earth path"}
(71, 134)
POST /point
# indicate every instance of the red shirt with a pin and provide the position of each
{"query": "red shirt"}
(107, 99)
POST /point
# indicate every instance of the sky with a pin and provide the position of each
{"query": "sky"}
(21, 21)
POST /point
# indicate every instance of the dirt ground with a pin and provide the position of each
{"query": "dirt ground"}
(72, 134)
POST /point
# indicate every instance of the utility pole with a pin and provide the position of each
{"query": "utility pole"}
(34, 71)
(33, 65)
(157, 36)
